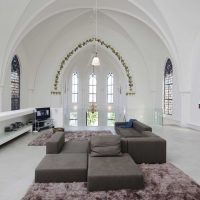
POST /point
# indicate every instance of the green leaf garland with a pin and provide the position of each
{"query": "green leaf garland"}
(83, 44)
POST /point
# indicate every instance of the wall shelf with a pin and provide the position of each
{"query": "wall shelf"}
(5, 137)
(14, 114)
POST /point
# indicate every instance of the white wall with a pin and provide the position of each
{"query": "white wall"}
(136, 45)
(166, 32)
(24, 81)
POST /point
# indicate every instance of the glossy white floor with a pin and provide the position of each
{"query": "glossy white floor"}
(18, 161)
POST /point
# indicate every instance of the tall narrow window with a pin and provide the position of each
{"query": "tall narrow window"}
(110, 119)
(74, 88)
(15, 84)
(73, 119)
(168, 84)
(92, 88)
(110, 87)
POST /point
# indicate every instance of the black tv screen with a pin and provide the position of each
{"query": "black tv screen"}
(42, 113)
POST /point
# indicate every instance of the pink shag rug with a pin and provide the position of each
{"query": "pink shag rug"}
(69, 135)
(162, 182)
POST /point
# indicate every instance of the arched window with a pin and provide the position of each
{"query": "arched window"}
(110, 88)
(74, 88)
(92, 88)
(15, 84)
(168, 85)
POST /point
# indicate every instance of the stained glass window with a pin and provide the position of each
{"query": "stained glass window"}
(92, 88)
(110, 88)
(168, 86)
(15, 84)
(74, 88)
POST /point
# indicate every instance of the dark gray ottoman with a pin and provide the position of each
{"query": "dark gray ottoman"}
(112, 173)
(70, 167)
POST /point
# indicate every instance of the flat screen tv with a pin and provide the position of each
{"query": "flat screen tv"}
(42, 113)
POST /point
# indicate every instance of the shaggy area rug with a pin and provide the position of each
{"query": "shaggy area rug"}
(69, 135)
(162, 182)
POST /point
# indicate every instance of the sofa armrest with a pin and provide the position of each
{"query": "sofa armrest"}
(55, 143)
(118, 124)
(139, 126)
(147, 149)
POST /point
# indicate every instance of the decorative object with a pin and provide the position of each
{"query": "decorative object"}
(56, 91)
(92, 108)
(14, 127)
(96, 60)
(69, 135)
(162, 182)
(58, 129)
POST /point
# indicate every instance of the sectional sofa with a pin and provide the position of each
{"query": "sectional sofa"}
(100, 163)
(143, 145)
(105, 162)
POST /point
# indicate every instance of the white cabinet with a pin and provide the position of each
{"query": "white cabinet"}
(6, 118)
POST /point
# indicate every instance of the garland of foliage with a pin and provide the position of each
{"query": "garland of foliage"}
(79, 46)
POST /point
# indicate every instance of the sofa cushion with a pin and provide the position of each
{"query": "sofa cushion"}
(112, 173)
(55, 143)
(109, 145)
(79, 146)
(128, 124)
(70, 167)
(128, 132)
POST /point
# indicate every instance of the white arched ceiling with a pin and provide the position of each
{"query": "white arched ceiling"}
(37, 11)
(115, 28)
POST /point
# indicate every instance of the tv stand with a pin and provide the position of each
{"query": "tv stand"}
(43, 124)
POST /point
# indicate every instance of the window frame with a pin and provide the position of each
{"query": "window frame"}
(71, 119)
(75, 83)
(111, 119)
(168, 88)
(15, 83)
(92, 96)
(110, 85)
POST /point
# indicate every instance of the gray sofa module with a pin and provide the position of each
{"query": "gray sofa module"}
(142, 145)
(135, 131)
(112, 173)
(56, 144)
(70, 167)
(147, 149)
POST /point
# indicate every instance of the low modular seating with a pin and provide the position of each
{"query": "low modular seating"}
(135, 130)
(104, 162)
(143, 145)
(64, 162)
(57, 144)
(105, 169)
(112, 173)
(109, 169)
(70, 167)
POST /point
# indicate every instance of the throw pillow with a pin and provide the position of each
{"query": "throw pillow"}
(128, 124)
(109, 145)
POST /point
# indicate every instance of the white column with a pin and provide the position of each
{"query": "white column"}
(1, 97)
(185, 107)
(31, 96)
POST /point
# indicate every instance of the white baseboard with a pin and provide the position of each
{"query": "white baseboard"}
(193, 126)
(170, 121)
